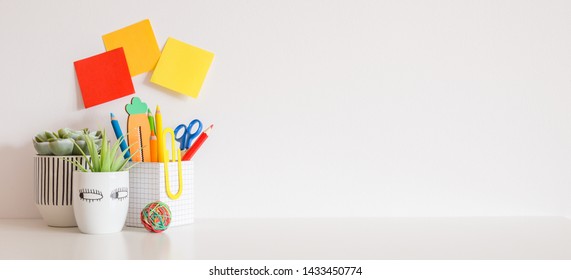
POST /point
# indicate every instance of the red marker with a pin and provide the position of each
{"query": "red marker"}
(196, 145)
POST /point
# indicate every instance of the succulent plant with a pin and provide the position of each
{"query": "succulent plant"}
(64, 142)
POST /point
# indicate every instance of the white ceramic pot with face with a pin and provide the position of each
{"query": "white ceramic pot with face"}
(100, 201)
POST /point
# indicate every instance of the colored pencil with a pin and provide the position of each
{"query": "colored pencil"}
(151, 121)
(159, 134)
(153, 144)
(196, 145)
(119, 134)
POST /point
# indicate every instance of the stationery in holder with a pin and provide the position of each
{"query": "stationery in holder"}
(139, 130)
(176, 156)
(148, 184)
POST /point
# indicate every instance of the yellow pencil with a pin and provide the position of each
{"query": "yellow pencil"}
(160, 137)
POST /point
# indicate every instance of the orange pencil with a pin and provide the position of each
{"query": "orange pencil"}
(196, 145)
(153, 144)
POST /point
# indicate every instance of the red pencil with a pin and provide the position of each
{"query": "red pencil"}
(196, 145)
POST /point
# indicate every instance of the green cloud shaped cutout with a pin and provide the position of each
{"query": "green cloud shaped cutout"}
(136, 107)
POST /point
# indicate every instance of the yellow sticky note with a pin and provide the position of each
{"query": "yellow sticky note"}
(139, 43)
(182, 67)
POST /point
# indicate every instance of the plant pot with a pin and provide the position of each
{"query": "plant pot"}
(100, 201)
(53, 181)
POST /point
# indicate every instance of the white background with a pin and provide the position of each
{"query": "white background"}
(322, 108)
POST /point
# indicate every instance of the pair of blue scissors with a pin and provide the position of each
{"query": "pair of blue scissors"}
(187, 136)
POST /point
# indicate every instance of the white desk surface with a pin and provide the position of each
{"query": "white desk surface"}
(301, 239)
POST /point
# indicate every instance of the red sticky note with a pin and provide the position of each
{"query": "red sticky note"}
(104, 77)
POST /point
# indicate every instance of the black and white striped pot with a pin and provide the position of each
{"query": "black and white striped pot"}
(53, 184)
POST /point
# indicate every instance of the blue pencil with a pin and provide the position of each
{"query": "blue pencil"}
(119, 134)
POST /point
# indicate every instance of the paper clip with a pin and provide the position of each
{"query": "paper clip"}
(175, 154)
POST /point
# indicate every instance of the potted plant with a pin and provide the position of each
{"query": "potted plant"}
(62, 142)
(101, 191)
(53, 172)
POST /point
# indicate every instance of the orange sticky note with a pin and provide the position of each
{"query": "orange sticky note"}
(140, 45)
(103, 77)
(182, 67)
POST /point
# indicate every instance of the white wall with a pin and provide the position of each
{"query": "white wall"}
(323, 108)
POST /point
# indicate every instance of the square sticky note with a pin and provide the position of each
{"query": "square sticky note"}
(103, 77)
(182, 67)
(140, 45)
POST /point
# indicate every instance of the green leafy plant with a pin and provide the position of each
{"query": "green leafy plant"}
(107, 158)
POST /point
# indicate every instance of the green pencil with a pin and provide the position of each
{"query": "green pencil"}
(151, 121)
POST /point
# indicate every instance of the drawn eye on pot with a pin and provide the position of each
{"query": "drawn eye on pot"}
(90, 195)
(119, 193)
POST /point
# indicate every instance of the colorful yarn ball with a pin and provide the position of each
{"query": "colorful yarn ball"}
(156, 216)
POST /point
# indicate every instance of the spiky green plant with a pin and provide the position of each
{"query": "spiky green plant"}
(106, 159)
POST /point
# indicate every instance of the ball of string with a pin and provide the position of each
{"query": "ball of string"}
(156, 216)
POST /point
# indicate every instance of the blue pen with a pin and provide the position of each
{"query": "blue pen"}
(119, 134)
